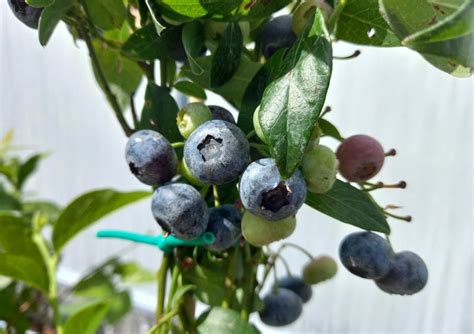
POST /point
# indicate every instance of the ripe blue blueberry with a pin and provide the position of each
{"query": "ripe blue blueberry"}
(221, 113)
(281, 308)
(408, 275)
(150, 157)
(366, 254)
(298, 286)
(180, 210)
(277, 34)
(217, 152)
(264, 193)
(224, 223)
(28, 15)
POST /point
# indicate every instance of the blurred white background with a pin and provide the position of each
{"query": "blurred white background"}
(50, 98)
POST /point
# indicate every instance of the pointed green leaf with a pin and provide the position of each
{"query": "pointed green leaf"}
(329, 129)
(351, 206)
(189, 88)
(88, 209)
(292, 103)
(106, 14)
(50, 18)
(200, 8)
(27, 168)
(145, 44)
(226, 59)
(86, 320)
(159, 112)
(193, 39)
(25, 269)
(16, 237)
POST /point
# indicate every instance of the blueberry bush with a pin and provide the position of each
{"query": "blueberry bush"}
(225, 188)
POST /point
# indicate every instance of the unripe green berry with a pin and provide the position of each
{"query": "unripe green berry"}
(257, 127)
(259, 232)
(319, 269)
(186, 173)
(305, 10)
(319, 168)
(191, 116)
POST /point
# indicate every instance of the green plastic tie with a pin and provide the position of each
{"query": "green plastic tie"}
(166, 244)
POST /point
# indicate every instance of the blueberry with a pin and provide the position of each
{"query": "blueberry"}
(319, 269)
(191, 116)
(221, 113)
(264, 193)
(259, 232)
(28, 15)
(281, 308)
(224, 223)
(319, 168)
(180, 210)
(217, 152)
(150, 157)
(360, 158)
(277, 34)
(408, 275)
(366, 254)
(298, 286)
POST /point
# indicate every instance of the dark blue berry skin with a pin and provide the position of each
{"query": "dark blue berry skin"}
(150, 157)
(407, 275)
(224, 223)
(298, 286)
(366, 254)
(217, 152)
(221, 113)
(28, 15)
(180, 210)
(281, 308)
(264, 193)
(277, 34)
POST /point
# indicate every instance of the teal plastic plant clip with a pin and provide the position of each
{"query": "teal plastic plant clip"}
(166, 244)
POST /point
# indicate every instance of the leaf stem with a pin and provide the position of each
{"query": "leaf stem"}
(104, 84)
(134, 111)
(162, 286)
(177, 144)
(295, 246)
(50, 262)
(164, 73)
(215, 194)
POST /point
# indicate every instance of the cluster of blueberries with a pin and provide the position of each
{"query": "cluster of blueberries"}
(370, 256)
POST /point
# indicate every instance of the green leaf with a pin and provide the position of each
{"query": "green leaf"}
(87, 320)
(262, 9)
(50, 18)
(233, 91)
(360, 22)
(189, 88)
(39, 3)
(451, 38)
(193, 38)
(351, 206)
(132, 273)
(27, 168)
(123, 73)
(154, 13)
(209, 283)
(159, 112)
(48, 209)
(329, 129)
(24, 269)
(200, 8)
(220, 320)
(292, 103)
(88, 209)
(106, 14)
(226, 59)
(145, 44)
(16, 237)
(180, 292)
(255, 89)
(8, 202)
(13, 296)
(441, 31)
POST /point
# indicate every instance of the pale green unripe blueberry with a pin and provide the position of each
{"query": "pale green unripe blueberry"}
(319, 168)
(184, 171)
(215, 29)
(305, 10)
(257, 127)
(319, 269)
(191, 116)
(259, 232)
